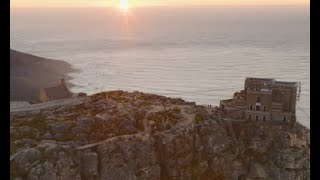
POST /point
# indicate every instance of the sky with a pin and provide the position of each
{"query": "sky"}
(137, 3)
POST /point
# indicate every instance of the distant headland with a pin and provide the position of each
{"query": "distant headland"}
(29, 73)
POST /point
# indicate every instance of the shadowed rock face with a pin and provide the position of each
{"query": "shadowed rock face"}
(29, 73)
(93, 140)
(208, 152)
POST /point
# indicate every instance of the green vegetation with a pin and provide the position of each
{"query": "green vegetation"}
(34, 127)
(158, 121)
(67, 137)
(177, 110)
(38, 122)
(118, 96)
(98, 131)
(165, 118)
(139, 116)
(198, 118)
(13, 148)
(14, 172)
(99, 95)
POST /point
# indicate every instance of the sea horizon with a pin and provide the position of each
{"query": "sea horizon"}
(198, 54)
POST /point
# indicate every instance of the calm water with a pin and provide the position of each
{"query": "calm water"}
(200, 54)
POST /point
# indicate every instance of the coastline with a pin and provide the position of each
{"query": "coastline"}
(68, 79)
(29, 73)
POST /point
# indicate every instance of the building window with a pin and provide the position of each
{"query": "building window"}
(258, 108)
(264, 108)
(251, 107)
(284, 119)
(264, 118)
(249, 117)
(258, 99)
(257, 117)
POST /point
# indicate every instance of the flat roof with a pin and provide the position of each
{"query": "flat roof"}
(282, 83)
(285, 83)
(260, 79)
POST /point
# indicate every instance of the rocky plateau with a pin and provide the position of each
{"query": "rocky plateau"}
(120, 135)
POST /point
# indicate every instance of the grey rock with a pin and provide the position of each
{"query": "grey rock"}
(50, 147)
(83, 137)
(89, 166)
(257, 171)
(47, 136)
(77, 130)
(48, 113)
(102, 118)
(24, 159)
(49, 171)
(57, 136)
(27, 156)
(25, 129)
(60, 128)
(127, 127)
(35, 172)
(111, 103)
(28, 143)
(13, 131)
(84, 122)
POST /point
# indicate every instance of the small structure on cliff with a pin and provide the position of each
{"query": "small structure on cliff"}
(263, 100)
(53, 93)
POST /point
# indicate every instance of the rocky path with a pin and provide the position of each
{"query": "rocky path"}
(145, 120)
(50, 104)
(187, 121)
(188, 116)
(141, 135)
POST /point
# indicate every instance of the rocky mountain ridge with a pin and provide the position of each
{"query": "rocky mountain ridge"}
(121, 135)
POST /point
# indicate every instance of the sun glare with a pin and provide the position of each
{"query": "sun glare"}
(124, 5)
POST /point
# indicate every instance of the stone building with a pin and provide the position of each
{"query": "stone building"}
(264, 100)
(53, 93)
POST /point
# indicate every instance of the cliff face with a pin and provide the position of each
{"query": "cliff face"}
(88, 142)
(210, 150)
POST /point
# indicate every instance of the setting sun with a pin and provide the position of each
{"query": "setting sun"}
(124, 5)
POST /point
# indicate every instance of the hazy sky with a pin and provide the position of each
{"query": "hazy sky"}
(115, 3)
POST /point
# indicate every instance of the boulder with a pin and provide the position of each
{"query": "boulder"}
(47, 136)
(83, 122)
(35, 172)
(257, 171)
(49, 171)
(60, 127)
(24, 158)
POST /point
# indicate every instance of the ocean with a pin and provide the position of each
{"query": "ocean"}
(200, 54)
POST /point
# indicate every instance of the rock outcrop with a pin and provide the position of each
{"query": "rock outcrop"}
(95, 140)
(206, 151)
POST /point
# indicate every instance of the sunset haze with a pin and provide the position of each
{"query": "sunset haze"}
(133, 3)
